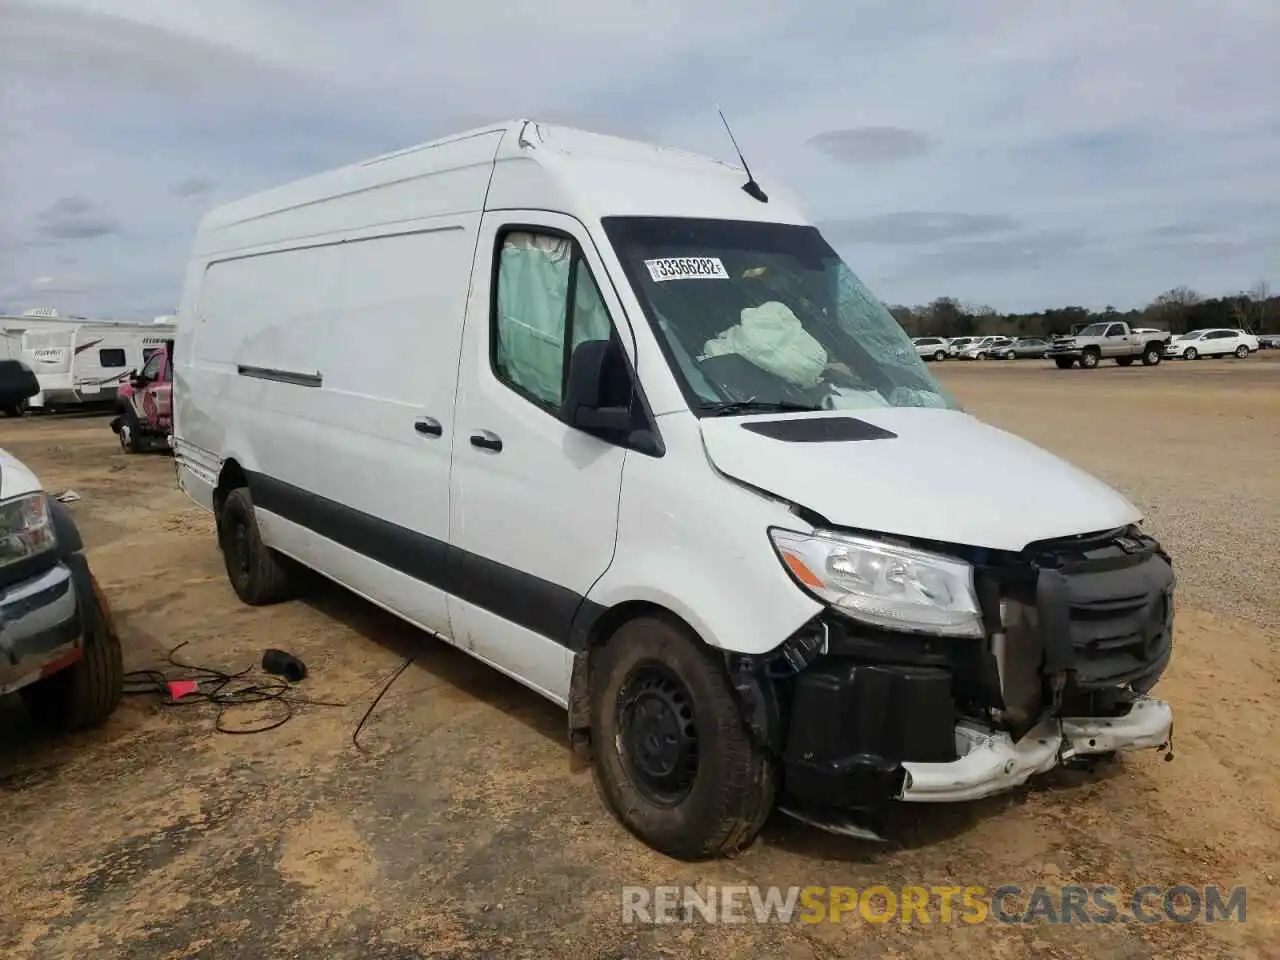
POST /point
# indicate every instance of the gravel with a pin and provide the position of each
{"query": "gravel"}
(1194, 445)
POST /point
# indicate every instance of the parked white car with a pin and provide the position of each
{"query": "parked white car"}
(931, 348)
(643, 442)
(1220, 342)
(956, 345)
(981, 349)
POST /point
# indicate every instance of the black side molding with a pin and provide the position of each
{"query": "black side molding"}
(549, 609)
(280, 376)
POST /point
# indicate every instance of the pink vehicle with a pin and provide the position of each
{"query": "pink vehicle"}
(144, 403)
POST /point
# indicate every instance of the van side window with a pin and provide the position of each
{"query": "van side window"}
(537, 318)
(547, 304)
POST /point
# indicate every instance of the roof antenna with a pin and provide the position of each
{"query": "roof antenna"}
(751, 188)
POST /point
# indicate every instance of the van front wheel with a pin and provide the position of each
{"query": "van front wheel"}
(673, 759)
(257, 574)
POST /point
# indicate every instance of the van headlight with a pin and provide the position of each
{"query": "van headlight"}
(26, 528)
(897, 588)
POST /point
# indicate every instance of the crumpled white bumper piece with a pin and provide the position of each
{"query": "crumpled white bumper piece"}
(992, 763)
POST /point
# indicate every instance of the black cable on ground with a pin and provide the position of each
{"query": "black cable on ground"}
(229, 690)
(355, 734)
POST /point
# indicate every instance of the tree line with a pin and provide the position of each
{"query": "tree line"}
(1177, 310)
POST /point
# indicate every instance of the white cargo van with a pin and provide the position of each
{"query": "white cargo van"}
(629, 430)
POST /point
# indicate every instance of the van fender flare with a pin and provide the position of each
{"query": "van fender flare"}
(595, 623)
(757, 700)
(233, 472)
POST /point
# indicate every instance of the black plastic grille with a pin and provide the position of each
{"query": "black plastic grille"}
(1114, 621)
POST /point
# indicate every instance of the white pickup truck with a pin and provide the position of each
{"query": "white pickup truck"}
(58, 645)
(1108, 340)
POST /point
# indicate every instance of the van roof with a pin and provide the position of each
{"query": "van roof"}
(538, 166)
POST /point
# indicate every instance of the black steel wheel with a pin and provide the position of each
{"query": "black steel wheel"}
(673, 758)
(257, 573)
(659, 734)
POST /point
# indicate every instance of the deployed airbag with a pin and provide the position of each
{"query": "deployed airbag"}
(772, 337)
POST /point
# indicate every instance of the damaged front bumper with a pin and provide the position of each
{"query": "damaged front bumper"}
(993, 762)
(1078, 632)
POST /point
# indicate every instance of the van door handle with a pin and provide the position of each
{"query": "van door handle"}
(486, 440)
(428, 426)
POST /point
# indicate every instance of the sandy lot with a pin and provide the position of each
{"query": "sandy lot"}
(465, 831)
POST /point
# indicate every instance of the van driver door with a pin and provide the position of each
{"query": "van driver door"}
(534, 502)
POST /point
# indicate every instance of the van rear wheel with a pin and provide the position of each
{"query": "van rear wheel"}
(257, 573)
(673, 759)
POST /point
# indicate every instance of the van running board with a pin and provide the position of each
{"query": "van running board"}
(843, 824)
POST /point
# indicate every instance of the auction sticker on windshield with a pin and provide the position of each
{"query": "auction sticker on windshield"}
(686, 268)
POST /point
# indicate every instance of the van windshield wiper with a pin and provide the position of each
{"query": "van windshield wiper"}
(728, 408)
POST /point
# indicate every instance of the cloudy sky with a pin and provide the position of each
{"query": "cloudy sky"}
(1018, 153)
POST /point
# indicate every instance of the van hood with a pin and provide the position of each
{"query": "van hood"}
(931, 474)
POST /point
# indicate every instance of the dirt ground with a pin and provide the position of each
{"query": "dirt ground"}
(465, 830)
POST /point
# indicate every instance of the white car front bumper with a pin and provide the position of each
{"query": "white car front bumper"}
(992, 763)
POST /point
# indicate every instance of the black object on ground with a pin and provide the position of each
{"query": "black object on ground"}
(281, 664)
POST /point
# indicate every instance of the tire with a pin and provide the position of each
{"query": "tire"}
(1152, 354)
(709, 804)
(257, 573)
(1124, 361)
(84, 694)
(1089, 359)
(1242, 352)
(1191, 354)
(940, 356)
(16, 410)
(130, 431)
(979, 356)
(1064, 363)
(1010, 356)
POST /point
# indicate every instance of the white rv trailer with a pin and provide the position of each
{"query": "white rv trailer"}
(12, 327)
(85, 363)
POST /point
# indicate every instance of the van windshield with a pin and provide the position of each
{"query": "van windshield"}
(764, 315)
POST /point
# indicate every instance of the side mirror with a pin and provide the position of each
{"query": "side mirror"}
(598, 391)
